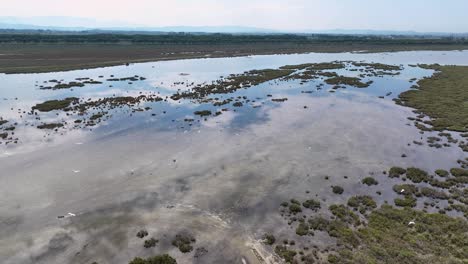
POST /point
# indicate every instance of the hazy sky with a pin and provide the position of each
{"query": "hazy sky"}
(419, 15)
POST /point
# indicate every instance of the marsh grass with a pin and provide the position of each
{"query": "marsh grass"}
(443, 97)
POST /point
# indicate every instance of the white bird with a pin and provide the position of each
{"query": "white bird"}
(70, 214)
(76, 171)
(402, 191)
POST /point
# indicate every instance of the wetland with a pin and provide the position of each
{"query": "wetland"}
(299, 158)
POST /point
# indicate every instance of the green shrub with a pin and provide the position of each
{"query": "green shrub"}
(269, 239)
(337, 189)
(302, 229)
(457, 172)
(285, 253)
(369, 181)
(396, 172)
(416, 175)
(294, 208)
(441, 173)
(159, 259)
(311, 204)
(183, 242)
(344, 214)
(363, 203)
(408, 201)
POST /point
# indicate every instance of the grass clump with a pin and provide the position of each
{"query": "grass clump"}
(318, 223)
(159, 259)
(369, 181)
(142, 233)
(406, 189)
(362, 203)
(97, 116)
(50, 126)
(312, 204)
(203, 113)
(184, 242)
(286, 254)
(396, 172)
(337, 189)
(433, 193)
(344, 214)
(295, 208)
(343, 80)
(441, 173)
(269, 239)
(150, 242)
(302, 229)
(315, 66)
(51, 105)
(408, 201)
(457, 172)
(416, 175)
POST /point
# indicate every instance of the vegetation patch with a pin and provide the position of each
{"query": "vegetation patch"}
(369, 181)
(203, 113)
(416, 175)
(442, 97)
(285, 253)
(150, 242)
(389, 238)
(269, 239)
(396, 172)
(51, 105)
(457, 172)
(50, 126)
(344, 214)
(362, 203)
(302, 229)
(408, 201)
(351, 81)
(441, 173)
(142, 233)
(184, 242)
(312, 204)
(378, 66)
(159, 259)
(337, 189)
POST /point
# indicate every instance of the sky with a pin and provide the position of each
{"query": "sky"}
(287, 15)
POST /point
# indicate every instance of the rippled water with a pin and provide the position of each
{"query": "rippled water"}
(221, 178)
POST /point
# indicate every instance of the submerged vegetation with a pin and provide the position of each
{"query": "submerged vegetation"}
(159, 259)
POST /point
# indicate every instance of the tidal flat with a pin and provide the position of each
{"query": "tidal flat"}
(305, 158)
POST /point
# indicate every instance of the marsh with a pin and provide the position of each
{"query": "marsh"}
(211, 172)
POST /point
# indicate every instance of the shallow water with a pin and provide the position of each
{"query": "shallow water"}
(221, 178)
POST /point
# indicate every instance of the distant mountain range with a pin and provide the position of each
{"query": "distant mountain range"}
(86, 24)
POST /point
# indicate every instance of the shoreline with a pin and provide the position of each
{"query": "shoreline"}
(40, 58)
